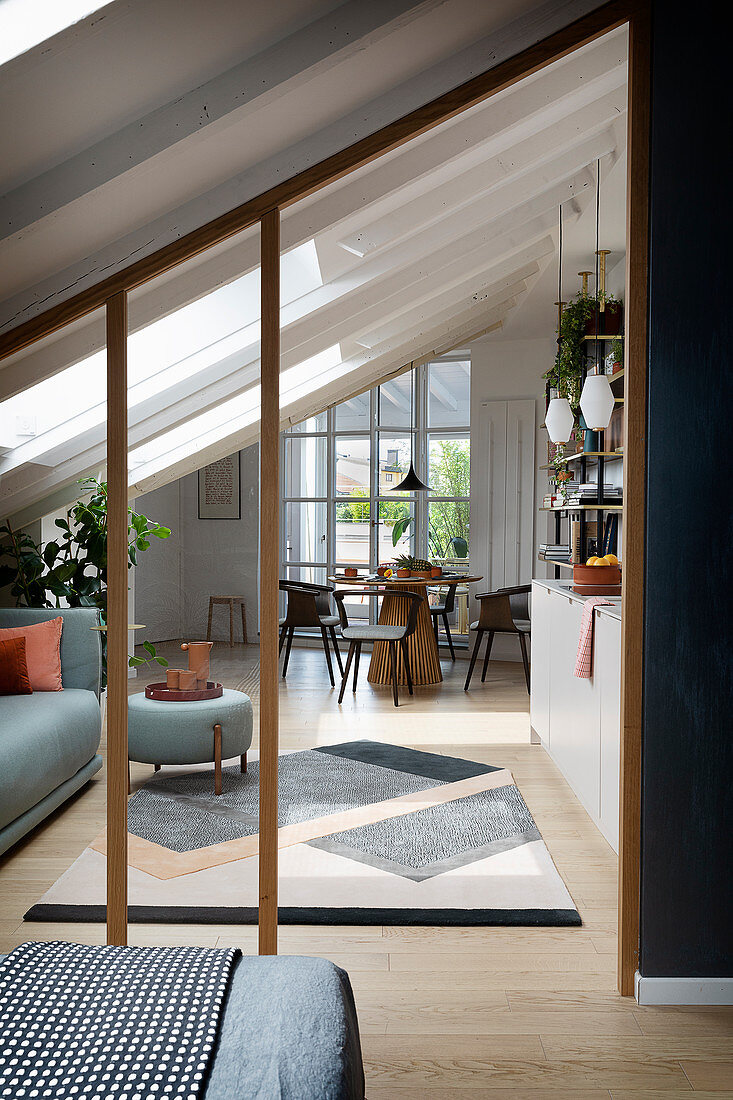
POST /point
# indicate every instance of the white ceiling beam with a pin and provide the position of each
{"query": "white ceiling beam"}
(227, 379)
(539, 157)
(335, 132)
(440, 391)
(364, 376)
(238, 92)
(28, 485)
(491, 130)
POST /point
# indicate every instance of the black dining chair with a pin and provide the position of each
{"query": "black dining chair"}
(379, 632)
(505, 611)
(309, 606)
(442, 610)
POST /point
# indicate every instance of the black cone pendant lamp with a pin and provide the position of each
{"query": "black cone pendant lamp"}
(411, 483)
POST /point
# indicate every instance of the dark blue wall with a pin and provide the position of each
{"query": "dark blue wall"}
(687, 858)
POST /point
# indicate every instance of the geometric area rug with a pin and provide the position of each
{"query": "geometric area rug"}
(369, 833)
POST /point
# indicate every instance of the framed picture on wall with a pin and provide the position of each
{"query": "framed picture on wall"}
(219, 489)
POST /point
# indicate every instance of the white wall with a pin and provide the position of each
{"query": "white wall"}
(504, 370)
(202, 558)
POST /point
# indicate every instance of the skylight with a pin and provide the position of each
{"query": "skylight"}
(26, 23)
(222, 327)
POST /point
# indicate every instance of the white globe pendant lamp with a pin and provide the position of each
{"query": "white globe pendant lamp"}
(559, 420)
(597, 402)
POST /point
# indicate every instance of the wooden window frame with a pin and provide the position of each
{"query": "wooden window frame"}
(265, 209)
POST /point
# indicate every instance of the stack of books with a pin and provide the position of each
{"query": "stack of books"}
(554, 551)
(587, 493)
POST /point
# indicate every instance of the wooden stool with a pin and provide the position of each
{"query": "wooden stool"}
(233, 602)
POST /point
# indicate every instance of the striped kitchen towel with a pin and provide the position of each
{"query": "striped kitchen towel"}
(584, 659)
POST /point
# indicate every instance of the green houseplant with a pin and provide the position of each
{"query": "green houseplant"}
(73, 567)
(578, 319)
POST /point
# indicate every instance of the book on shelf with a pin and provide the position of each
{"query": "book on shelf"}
(554, 551)
(575, 547)
(610, 534)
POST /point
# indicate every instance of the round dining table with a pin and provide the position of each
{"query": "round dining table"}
(421, 646)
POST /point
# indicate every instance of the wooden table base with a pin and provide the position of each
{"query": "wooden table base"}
(424, 660)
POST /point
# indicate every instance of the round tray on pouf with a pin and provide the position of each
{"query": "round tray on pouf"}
(165, 694)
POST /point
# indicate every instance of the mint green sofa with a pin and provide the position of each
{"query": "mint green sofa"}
(49, 740)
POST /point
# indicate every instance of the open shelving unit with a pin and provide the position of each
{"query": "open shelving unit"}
(596, 460)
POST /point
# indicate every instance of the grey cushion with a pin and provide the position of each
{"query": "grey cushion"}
(81, 646)
(376, 633)
(329, 620)
(45, 738)
(183, 733)
(289, 1031)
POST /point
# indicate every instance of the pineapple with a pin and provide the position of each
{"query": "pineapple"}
(421, 566)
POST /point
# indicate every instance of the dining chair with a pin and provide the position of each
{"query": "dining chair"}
(309, 606)
(379, 632)
(442, 610)
(506, 611)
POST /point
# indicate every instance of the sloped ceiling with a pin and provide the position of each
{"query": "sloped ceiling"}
(419, 251)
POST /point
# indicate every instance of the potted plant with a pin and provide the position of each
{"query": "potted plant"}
(579, 321)
(351, 571)
(609, 318)
(617, 355)
(436, 571)
(405, 564)
(73, 568)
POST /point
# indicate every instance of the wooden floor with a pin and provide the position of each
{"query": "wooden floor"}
(463, 1014)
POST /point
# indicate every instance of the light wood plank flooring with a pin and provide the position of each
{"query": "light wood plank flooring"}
(460, 1014)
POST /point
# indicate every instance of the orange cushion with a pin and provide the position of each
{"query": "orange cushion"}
(13, 668)
(42, 652)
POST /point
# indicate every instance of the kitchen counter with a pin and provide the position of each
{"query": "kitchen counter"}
(565, 588)
(578, 720)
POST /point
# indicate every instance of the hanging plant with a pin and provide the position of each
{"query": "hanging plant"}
(566, 373)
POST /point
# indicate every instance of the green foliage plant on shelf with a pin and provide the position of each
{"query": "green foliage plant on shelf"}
(72, 567)
(560, 472)
(566, 373)
(617, 351)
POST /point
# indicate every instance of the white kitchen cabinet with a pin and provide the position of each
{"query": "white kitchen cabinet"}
(607, 674)
(578, 720)
(541, 649)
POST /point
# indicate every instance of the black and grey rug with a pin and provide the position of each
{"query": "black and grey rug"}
(368, 834)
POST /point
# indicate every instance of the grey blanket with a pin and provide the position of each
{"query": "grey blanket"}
(289, 1033)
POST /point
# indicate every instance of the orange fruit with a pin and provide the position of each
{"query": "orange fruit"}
(594, 561)
(610, 559)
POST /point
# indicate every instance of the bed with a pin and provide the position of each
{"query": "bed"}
(287, 1029)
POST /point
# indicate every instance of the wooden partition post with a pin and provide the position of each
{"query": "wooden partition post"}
(269, 573)
(117, 619)
(632, 611)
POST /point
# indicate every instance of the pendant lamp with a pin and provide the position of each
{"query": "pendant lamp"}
(411, 483)
(596, 400)
(559, 419)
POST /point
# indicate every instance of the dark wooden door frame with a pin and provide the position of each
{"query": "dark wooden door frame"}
(265, 209)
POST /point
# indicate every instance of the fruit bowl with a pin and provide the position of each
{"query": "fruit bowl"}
(597, 574)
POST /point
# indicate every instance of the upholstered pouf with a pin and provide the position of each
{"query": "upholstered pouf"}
(190, 733)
